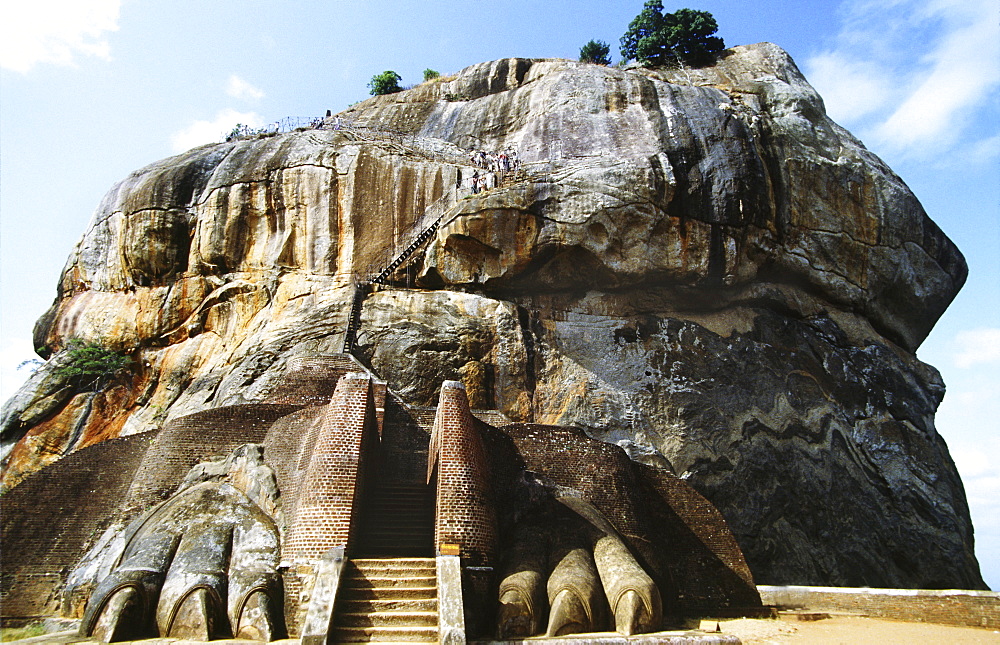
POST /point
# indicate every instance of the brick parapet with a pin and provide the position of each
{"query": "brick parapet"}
(54, 515)
(677, 535)
(311, 380)
(346, 442)
(945, 606)
(464, 512)
(190, 440)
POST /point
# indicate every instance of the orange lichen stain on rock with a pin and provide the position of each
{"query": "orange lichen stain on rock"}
(45, 443)
(67, 430)
(108, 415)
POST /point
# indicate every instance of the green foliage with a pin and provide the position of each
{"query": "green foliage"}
(17, 633)
(655, 38)
(596, 52)
(430, 74)
(385, 83)
(91, 365)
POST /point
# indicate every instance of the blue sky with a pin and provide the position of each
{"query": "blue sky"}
(93, 89)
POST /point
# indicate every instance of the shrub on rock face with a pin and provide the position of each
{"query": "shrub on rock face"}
(655, 38)
(430, 74)
(596, 52)
(385, 83)
(92, 365)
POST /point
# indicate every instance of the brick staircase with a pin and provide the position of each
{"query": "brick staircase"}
(398, 507)
(398, 521)
(392, 599)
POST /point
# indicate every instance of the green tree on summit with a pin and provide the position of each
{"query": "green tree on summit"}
(596, 52)
(654, 38)
(385, 83)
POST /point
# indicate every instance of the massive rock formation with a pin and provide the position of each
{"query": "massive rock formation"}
(697, 265)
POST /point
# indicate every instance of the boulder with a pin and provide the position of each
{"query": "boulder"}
(695, 264)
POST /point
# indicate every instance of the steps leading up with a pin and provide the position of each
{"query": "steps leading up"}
(387, 599)
(398, 521)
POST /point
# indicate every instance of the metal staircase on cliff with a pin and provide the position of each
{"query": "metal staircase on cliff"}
(363, 288)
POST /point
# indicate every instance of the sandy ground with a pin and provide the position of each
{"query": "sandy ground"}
(851, 630)
(836, 630)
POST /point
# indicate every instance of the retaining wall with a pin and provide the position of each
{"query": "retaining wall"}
(54, 515)
(945, 606)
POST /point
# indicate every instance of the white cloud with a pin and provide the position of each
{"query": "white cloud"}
(55, 31)
(969, 420)
(977, 346)
(202, 132)
(241, 89)
(960, 71)
(850, 89)
(911, 74)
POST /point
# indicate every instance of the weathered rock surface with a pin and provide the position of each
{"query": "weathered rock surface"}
(699, 266)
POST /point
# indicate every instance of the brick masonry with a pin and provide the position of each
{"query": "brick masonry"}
(680, 538)
(465, 512)
(946, 607)
(192, 439)
(54, 515)
(326, 514)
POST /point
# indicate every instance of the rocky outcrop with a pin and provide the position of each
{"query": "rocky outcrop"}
(697, 265)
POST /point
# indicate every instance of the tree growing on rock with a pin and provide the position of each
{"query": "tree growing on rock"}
(684, 36)
(91, 365)
(430, 74)
(385, 83)
(596, 52)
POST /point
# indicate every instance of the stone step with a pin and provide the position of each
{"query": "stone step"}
(416, 525)
(401, 515)
(382, 634)
(404, 512)
(409, 493)
(396, 528)
(387, 593)
(387, 619)
(379, 539)
(389, 548)
(390, 578)
(397, 550)
(358, 605)
(416, 499)
(402, 505)
(399, 519)
(389, 574)
(393, 563)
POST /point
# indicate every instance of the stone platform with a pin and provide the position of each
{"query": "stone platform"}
(609, 638)
(612, 638)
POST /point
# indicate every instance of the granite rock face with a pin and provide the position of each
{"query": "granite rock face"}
(697, 265)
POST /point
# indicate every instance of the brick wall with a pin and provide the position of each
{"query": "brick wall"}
(287, 447)
(674, 532)
(946, 607)
(189, 440)
(311, 380)
(347, 440)
(706, 563)
(465, 512)
(54, 515)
